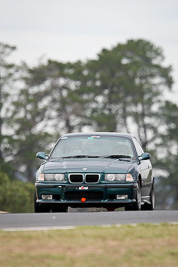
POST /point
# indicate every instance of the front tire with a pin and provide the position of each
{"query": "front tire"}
(138, 203)
(151, 205)
(39, 208)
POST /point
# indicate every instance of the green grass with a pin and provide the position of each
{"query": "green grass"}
(141, 245)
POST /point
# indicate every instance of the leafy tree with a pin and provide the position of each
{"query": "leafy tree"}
(150, 79)
(168, 149)
(28, 122)
(98, 88)
(7, 76)
(125, 87)
(66, 108)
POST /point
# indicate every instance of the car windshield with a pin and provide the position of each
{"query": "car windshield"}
(93, 146)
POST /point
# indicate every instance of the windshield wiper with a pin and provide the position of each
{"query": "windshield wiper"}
(116, 156)
(80, 156)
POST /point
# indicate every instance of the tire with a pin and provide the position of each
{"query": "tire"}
(39, 208)
(150, 206)
(137, 204)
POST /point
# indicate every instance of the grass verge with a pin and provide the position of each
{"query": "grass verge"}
(141, 245)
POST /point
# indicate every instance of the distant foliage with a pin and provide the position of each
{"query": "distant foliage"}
(15, 196)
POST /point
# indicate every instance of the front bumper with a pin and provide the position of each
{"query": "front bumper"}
(96, 195)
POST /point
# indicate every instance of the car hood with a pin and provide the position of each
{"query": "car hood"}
(87, 165)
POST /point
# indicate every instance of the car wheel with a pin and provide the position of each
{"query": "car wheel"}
(150, 206)
(137, 204)
(59, 208)
(38, 208)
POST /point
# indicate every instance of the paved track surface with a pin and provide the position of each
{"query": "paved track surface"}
(32, 221)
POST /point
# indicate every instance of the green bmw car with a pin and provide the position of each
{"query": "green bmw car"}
(107, 170)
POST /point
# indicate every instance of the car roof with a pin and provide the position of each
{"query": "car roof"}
(99, 134)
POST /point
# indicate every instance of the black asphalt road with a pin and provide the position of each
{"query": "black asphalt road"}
(32, 221)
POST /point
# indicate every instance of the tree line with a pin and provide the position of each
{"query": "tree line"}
(122, 90)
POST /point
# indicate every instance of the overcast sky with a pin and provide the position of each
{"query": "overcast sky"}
(68, 30)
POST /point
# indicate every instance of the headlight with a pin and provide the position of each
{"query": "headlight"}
(51, 177)
(59, 177)
(115, 177)
(54, 177)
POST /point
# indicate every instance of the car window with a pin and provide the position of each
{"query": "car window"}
(138, 147)
(93, 146)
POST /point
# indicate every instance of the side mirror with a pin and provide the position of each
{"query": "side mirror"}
(145, 156)
(41, 155)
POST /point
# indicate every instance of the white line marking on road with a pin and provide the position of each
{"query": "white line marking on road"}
(43, 228)
(48, 228)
